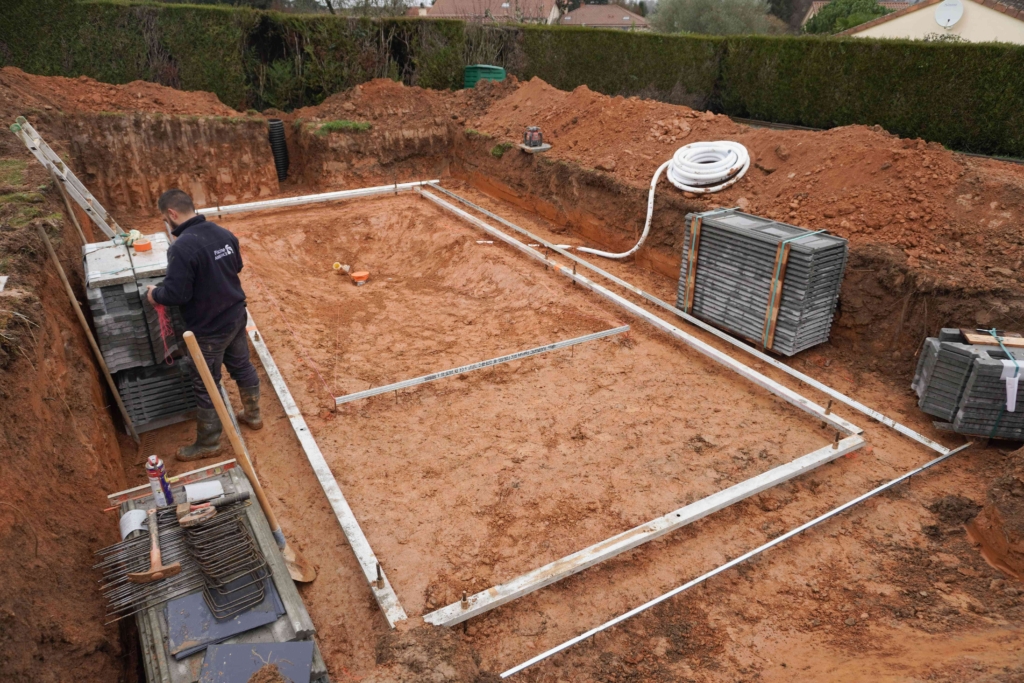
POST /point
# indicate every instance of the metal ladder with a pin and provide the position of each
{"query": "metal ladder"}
(74, 187)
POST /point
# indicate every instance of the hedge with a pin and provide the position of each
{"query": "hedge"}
(967, 96)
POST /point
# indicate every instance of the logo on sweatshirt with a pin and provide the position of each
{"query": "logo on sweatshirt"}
(218, 254)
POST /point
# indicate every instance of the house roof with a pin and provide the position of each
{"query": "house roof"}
(1011, 8)
(494, 10)
(603, 15)
(817, 5)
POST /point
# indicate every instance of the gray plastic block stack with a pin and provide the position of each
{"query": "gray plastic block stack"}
(120, 322)
(127, 326)
(154, 392)
(925, 365)
(736, 268)
(174, 345)
(983, 406)
(962, 384)
(158, 395)
(945, 383)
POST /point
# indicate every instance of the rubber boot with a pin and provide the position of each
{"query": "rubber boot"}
(249, 415)
(208, 430)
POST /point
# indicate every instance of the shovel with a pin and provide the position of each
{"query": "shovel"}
(298, 567)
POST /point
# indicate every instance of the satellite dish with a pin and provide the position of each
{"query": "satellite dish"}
(949, 12)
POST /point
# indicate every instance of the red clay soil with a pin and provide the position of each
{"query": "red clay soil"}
(949, 212)
(84, 94)
(465, 482)
(59, 451)
(380, 100)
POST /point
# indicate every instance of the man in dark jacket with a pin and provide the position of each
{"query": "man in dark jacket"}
(202, 279)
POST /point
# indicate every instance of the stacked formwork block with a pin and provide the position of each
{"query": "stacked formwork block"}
(144, 358)
(972, 385)
(771, 283)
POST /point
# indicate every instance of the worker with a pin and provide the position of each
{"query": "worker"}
(202, 280)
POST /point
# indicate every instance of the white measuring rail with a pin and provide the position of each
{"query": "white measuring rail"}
(385, 595)
(732, 563)
(783, 392)
(458, 612)
(302, 200)
(478, 366)
(74, 187)
(792, 372)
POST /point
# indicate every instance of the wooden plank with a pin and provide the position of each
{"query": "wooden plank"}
(744, 371)
(772, 314)
(404, 384)
(386, 598)
(484, 601)
(214, 470)
(1010, 342)
(691, 263)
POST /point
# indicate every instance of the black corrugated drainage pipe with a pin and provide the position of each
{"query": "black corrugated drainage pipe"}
(278, 147)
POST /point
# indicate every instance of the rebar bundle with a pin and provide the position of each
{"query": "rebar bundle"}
(125, 598)
(233, 569)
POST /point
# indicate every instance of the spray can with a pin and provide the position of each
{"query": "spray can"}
(162, 495)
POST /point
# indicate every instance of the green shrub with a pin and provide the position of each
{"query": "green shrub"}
(341, 126)
(840, 15)
(498, 151)
(677, 69)
(260, 59)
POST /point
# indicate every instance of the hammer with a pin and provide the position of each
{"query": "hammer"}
(192, 515)
(157, 570)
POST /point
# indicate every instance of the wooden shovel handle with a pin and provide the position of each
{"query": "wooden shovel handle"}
(155, 560)
(225, 420)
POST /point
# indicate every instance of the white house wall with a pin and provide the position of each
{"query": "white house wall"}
(979, 24)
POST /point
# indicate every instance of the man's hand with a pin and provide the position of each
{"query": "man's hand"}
(149, 294)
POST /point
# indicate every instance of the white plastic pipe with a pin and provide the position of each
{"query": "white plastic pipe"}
(701, 168)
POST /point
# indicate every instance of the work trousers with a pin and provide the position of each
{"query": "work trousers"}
(230, 348)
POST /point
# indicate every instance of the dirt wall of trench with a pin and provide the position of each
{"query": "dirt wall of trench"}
(128, 159)
(886, 308)
(59, 456)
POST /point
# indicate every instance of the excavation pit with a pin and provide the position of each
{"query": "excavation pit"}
(472, 480)
(607, 435)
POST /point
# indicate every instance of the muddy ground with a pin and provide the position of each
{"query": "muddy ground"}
(467, 482)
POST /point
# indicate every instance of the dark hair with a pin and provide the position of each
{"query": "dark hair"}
(177, 200)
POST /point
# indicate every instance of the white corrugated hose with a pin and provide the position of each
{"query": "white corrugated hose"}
(700, 168)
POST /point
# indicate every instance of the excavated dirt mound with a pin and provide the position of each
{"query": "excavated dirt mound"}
(84, 94)
(947, 211)
(380, 99)
(950, 214)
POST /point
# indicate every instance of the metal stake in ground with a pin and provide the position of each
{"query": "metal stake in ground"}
(299, 569)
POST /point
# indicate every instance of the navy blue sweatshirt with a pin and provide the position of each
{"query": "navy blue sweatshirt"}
(202, 277)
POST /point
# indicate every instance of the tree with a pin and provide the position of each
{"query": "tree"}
(715, 17)
(634, 6)
(840, 15)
